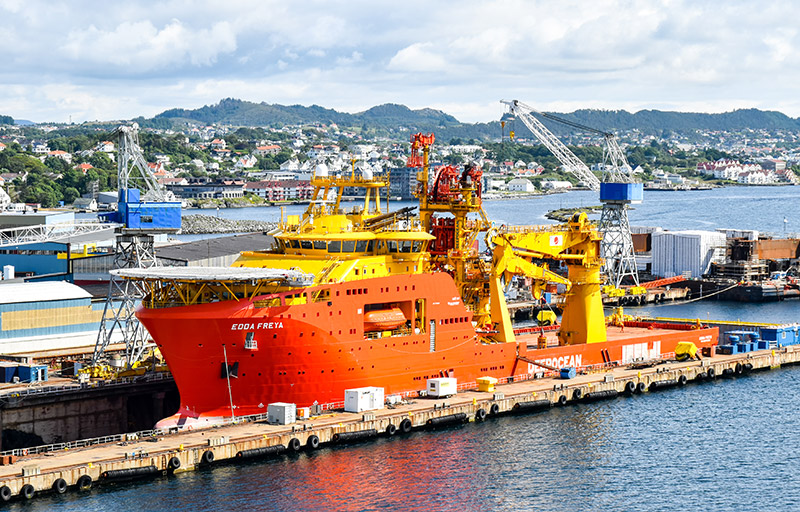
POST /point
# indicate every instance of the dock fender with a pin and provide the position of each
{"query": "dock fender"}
(701, 376)
(739, 369)
(480, 415)
(682, 380)
(294, 445)
(748, 367)
(312, 443)
(494, 409)
(577, 394)
(5, 493)
(391, 429)
(641, 387)
(405, 426)
(562, 400)
(84, 483)
(711, 372)
(207, 457)
(60, 486)
(173, 463)
(27, 491)
(630, 387)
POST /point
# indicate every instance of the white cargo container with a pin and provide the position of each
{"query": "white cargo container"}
(442, 386)
(363, 399)
(686, 252)
(281, 413)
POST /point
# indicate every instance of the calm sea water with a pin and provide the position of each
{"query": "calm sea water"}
(724, 445)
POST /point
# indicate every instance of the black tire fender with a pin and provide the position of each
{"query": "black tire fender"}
(27, 491)
(294, 445)
(682, 380)
(5, 493)
(630, 387)
(641, 387)
(577, 394)
(312, 442)
(480, 415)
(60, 486)
(84, 483)
(711, 373)
(173, 463)
(405, 426)
(207, 457)
(494, 409)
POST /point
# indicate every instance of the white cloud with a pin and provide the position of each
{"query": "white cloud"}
(458, 56)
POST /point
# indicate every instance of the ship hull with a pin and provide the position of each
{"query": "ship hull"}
(233, 358)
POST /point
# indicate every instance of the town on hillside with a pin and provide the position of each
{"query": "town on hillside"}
(223, 165)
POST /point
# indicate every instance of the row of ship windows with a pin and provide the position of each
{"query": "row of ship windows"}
(359, 246)
(459, 320)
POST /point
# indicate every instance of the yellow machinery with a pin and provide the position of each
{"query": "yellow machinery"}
(521, 251)
(515, 251)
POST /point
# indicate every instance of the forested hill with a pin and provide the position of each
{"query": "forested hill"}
(392, 118)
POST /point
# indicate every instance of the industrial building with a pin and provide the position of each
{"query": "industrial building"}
(47, 318)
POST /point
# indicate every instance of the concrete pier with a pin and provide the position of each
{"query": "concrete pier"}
(162, 453)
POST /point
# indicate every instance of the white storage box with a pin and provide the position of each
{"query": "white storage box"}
(444, 386)
(281, 413)
(363, 399)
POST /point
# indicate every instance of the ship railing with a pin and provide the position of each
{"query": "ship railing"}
(403, 331)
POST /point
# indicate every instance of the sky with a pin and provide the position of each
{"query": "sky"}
(81, 61)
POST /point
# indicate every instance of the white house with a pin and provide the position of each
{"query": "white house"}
(521, 185)
(556, 185)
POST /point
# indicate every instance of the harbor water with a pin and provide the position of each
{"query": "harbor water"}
(721, 445)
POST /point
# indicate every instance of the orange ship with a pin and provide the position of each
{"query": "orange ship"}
(348, 299)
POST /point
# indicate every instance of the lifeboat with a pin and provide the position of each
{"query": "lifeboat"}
(383, 319)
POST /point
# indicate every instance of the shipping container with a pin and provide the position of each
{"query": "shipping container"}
(363, 399)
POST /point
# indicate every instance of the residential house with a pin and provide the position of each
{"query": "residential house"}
(63, 155)
(521, 185)
(88, 204)
(2, 146)
(270, 149)
(83, 167)
(218, 144)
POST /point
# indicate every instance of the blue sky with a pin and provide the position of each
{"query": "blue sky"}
(116, 60)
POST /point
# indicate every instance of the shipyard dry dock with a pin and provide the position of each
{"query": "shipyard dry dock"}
(128, 456)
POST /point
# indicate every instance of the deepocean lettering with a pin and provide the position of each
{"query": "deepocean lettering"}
(576, 361)
(260, 325)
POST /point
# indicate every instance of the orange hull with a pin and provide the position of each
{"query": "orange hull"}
(310, 352)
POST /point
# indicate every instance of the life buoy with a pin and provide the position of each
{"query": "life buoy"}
(27, 491)
(391, 429)
(405, 426)
(84, 483)
(480, 415)
(207, 458)
(494, 409)
(294, 445)
(312, 442)
(60, 486)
